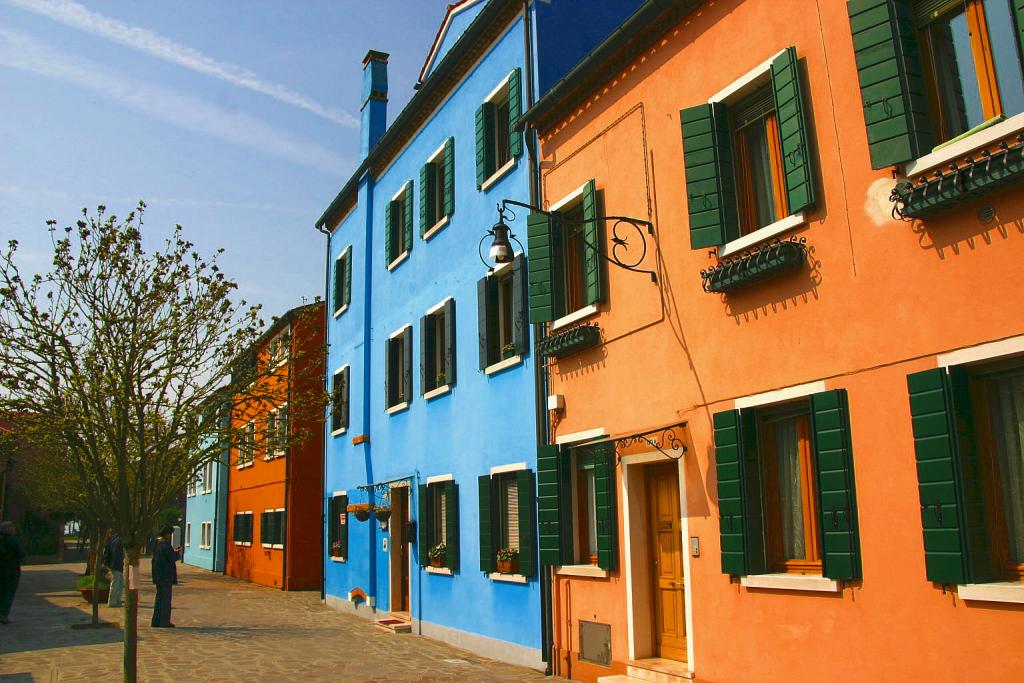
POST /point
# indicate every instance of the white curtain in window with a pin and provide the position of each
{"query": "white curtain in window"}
(1007, 398)
(512, 511)
(787, 454)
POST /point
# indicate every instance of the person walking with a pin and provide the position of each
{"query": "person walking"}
(113, 559)
(11, 557)
(164, 570)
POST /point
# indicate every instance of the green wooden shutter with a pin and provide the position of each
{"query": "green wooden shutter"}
(710, 191)
(348, 279)
(837, 498)
(952, 519)
(520, 294)
(487, 320)
(543, 290)
(548, 516)
(423, 525)
(407, 378)
(594, 237)
(515, 110)
(282, 526)
(427, 188)
(891, 82)
(387, 374)
(428, 374)
(1018, 18)
(484, 143)
(450, 358)
(388, 247)
(408, 215)
(739, 493)
(449, 176)
(487, 558)
(451, 526)
(339, 282)
(527, 523)
(344, 397)
(793, 127)
(341, 512)
(605, 504)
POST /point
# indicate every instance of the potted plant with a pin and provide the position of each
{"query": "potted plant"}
(360, 510)
(85, 587)
(440, 380)
(382, 513)
(508, 350)
(438, 554)
(508, 561)
(336, 549)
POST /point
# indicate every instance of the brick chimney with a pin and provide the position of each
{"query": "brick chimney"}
(375, 101)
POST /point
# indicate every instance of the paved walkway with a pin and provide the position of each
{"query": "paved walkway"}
(227, 631)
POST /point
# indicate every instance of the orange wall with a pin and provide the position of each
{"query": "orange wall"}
(879, 299)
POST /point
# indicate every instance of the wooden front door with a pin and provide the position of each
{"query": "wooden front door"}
(399, 549)
(667, 561)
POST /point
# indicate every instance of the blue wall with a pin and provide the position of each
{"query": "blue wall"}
(208, 507)
(460, 22)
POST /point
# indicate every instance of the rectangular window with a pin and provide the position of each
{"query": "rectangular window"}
(439, 516)
(188, 534)
(342, 281)
(508, 522)
(503, 328)
(437, 191)
(508, 511)
(191, 490)
(242, 528)
(206, 539)
(497, 143)
(277, 433)
(398, 226)
(585, 510)
(757, 149)
(280, 347)
(337, 527)
(971, 62)
(438, 523)
(208, 477)
(272, 528)
(398, 373)
(339, 401)
(437, 353)
(247, 447)
(574, 253)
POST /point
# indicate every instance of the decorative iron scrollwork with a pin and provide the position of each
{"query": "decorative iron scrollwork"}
(757, 264)
(663, 439)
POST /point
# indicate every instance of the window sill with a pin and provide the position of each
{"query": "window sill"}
(398, 408)
(763, 234)
(398, 260)
(507, 578)
(791, 582)
(435, 228)
(340, 311)
(243, 543)
(337, 559)
(440, 391)
(1004, 591)
(591, 570)
(499, 174)
(957, 150)
(242, 466)
(339, 432)
(573, 317)
(441, 571)
(507, 363)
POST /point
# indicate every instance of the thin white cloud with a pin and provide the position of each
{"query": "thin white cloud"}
(25, 53)
(36, 194)
(75, 15)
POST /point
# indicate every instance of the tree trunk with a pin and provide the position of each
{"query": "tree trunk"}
(94, 542)
(131, 613)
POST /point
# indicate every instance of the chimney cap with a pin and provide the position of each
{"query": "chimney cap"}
(375, 56)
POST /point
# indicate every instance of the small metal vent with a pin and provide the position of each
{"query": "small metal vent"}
(596, 643)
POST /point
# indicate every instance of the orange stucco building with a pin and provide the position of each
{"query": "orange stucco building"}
(793, 454)
(275, 480)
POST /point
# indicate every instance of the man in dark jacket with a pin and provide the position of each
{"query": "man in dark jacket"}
(113, 559)
(11, 557)
(164, 557)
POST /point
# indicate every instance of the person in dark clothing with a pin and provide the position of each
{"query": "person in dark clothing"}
(164, 557)
(113, 559)
(11, 557)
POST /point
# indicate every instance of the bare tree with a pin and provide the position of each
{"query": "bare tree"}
(117, 355)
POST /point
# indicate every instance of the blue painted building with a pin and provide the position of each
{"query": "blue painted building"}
(433, 427)
(206, 516)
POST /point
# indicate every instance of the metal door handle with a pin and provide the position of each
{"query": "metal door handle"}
(677, 584)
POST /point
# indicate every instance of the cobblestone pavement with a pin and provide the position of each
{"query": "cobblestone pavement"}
(227, 631)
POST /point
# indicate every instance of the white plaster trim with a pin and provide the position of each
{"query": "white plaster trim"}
(507, 578)
(398, 260)
(507, 363)
(401, 330)
(983, 138)
(514, 467)
(339, 311)
(435, 228)
(791, 582)
(454, 8)
(339, 432)
(438, 306)
(335, 494)
(277, 546)
(498, 88)
(437, 478)
(497, 175)
(1003, 591)
(500, 268)
(569, 198)
(405, 186)
(745, 81)
(794, 220)
(398, 408)
(340, 369)
(779, 395)
(581, 436)
(986, 351)
(502, 650)
(441, 571)
(591, 570)
(439, 151)
(277, 510)
(267, 545)
(440, 391)
(337, 559)
(575, 316)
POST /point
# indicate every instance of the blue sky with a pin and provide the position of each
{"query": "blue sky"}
(236, 119)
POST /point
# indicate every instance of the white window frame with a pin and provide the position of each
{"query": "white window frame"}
(347, 251)
(445, 218)
(336, 375)
(188, 534)
(249, 444)
(243, 543)
(398, 407)
(499, 173)
(275, 546)
(269, 455)
(208, 472)
(431, 313)
(574, 197)
(275, 355)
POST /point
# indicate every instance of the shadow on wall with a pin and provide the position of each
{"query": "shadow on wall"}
(777, 295)
(978, 224)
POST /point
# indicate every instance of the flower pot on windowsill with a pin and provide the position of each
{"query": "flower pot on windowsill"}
(336, 552)
(437, 562)
(508, 566)
(508, 351)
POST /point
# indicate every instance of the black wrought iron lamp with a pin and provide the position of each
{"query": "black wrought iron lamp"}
(500, 251)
